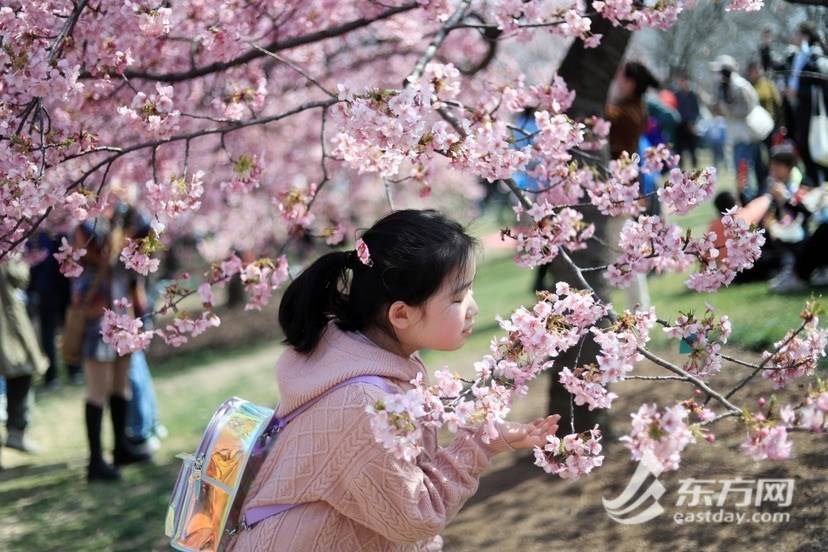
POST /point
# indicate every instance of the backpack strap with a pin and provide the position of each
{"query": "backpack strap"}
(252, 516)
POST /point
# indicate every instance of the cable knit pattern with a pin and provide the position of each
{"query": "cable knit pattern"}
(353, 494)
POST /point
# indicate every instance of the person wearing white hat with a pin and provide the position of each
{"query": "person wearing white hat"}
(735, 99)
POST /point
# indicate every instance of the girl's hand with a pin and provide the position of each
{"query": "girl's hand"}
(518, 436)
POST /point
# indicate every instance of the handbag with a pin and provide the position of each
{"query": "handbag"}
(818, 132)
(71, 345)
(759, 123)
(205, 508)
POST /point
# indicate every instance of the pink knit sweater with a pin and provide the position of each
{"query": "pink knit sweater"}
(353, 494)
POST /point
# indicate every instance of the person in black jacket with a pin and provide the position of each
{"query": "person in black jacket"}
(804, 82)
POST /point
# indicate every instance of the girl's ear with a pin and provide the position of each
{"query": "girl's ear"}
(400, 315)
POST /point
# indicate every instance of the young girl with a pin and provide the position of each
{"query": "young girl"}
(348, 315)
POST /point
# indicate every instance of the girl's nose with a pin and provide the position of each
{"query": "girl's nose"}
(473, 309)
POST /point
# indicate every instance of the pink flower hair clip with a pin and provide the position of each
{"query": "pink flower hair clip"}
(362, 253)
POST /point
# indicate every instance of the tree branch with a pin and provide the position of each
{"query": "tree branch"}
(275, 46)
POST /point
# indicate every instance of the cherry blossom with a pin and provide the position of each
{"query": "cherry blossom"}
(575, 455)
(260, 278)
(68, 258)
(659, 436)
(584, 384)
(123, 331)
(795, 356)
(766, 439)
(658, 158)
(703, 338)
(681, 192)
(135, 257)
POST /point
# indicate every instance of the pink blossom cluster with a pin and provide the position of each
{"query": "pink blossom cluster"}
(557, 134)
(184, 327)
(242, 97)
(123, 331)
(596, 133)
(68, 257)
(221, 272)
(704, 337)
(620, 343)
(635, 16)
(555, 323)
(379, 129)
(744, 246)
(553, 229)
(517, 18)
(796, 355)
(487, 153)
(78, 205)
(812, 414)
(648, 244)
(152, 21)
(247, 173)
(260, 278)
(177, 196)
(703, 413)
(294, 206)
(766, 439)
(135, 257)
(618, 193)
(745, 5)
(554, 98)
(682, 193)
(585, 386)
(658, 158)
(575, 455)
(153, 114)
(658, 437)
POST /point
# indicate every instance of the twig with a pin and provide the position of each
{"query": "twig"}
(766, 360)
(655, 378)
(295, 68)
(438, 40)
(696, 381)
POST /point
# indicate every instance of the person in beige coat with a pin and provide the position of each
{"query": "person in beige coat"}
(20, 355)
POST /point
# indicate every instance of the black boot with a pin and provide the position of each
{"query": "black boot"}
(124, 454)
(99, 470)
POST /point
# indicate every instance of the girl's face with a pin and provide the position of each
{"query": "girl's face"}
(445, 320)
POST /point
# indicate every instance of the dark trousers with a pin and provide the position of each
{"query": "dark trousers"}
(18, 399)
(48, 321)
(813, 253)
(686, 141)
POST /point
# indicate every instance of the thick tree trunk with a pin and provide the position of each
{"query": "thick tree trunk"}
(589, 72)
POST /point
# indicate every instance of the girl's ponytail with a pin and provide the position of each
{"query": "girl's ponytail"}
(312, 299)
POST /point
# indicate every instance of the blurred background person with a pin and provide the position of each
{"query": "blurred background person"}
(105, 280)
(688, 109)
(735, 99)
(771, 100)
(48, 294)
(807, 71)
(21, 358)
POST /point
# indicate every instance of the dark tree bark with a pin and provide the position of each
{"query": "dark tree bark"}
(589, 72)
